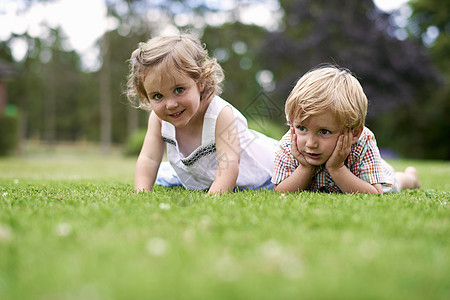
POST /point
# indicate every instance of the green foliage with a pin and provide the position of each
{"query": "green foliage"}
(433, 13)
(237, 45)
(134, 143)
(60, 101)
(74, 228)
(9, 133)
(421, 129)
(397, 76)
(271, 129)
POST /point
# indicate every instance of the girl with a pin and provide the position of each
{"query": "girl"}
(208, 143)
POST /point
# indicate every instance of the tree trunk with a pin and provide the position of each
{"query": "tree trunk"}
(105, 99)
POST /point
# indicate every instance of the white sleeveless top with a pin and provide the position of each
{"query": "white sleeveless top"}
(197, 170)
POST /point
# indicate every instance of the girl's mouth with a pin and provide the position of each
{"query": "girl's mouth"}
(178, 114)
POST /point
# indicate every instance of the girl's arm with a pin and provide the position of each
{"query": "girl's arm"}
(228, 151)
(342, 176)
(150, 157)
(301, 177)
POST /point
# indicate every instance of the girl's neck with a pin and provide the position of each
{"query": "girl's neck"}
(189, 137)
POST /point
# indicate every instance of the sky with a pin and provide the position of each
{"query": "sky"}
(84, 21)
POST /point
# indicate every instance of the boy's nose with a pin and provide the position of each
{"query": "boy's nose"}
(311, 141)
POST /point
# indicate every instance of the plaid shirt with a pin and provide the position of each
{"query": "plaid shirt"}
(364, 161)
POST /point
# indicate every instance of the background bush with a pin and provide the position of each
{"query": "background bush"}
(9, 126)
(134, 143)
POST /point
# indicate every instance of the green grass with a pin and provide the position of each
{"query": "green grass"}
(71, 227)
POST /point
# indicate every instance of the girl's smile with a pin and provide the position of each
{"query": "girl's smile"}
(178, 114)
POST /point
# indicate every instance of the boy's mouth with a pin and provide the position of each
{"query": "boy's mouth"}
(177, 115)
(313, 155)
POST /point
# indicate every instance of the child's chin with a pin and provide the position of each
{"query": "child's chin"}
(315, 162)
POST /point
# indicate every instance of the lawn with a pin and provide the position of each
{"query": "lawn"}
(71, 227)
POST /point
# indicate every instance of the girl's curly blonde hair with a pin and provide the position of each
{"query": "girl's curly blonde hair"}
(183, 53)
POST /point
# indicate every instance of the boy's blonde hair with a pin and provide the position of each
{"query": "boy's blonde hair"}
(328, 87)
(182, 53)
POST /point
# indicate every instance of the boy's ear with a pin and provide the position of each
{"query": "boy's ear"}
(356, 133)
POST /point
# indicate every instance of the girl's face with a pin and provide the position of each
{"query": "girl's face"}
(173, 96)
(317, 137)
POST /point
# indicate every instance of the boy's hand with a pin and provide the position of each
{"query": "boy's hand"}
(341, 151)
(295, 152)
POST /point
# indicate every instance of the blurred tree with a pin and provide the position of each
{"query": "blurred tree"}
(47, 88)
(27, 90)
(430, 20)
(117, 46)
(60, 101)
(125, 118)
(430, 23)
(5, 52)
(354, 34)
(236, 46)
(247, 85)
(105, 96)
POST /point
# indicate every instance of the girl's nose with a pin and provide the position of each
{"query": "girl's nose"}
(171, 103)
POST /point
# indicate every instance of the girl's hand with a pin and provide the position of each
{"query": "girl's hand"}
(295, 152)
(341, 150)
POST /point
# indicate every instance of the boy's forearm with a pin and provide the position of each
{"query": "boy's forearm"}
(297, 182)
(350, 183)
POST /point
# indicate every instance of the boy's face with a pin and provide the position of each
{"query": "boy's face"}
(317, 137)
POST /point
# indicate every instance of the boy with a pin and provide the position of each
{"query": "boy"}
(328, 148)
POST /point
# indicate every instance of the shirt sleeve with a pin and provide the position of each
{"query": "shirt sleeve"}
(285, 164)
(371, 168)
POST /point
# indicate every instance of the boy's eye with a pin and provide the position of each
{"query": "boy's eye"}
(179, 90)
(325, 131)
(301, 128)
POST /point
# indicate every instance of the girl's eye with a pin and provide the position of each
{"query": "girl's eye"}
(301, 128)
(157, 97)
(325, 131)
(179, 90)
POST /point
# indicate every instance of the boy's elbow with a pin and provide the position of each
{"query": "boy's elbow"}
(281, 188)
(378, 188)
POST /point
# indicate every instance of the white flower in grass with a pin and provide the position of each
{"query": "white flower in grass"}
(272, 250)
(368, 249)
(63, 229)
(227, 268)
(278, 258)
(16, 181)
(157, 246)
(205, 222)
(291, 267)
(164, 206)
(5, 233)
